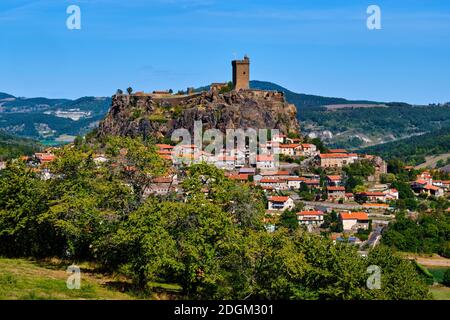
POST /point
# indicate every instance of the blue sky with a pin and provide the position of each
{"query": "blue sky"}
(309, 46)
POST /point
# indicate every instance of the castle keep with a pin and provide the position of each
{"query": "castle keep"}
(241, 73)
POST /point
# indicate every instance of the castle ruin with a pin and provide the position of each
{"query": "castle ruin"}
(241, 74)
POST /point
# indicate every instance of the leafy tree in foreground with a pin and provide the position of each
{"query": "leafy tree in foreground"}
(207, 243)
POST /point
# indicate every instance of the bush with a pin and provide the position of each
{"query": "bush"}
(446, 279)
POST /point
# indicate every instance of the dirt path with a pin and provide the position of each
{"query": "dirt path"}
(434, 261)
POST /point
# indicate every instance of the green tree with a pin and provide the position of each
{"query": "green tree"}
(23, 199)
(288, 219)
(446, 278)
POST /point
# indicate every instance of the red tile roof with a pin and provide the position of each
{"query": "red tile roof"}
(289, 146)
(337, 155)
(165, 152)
(310, 213)
(45, 157)
(354, 216)
(264, 158)
(275, 173)
(338, 151)
(431, 187)
(278, 199)
(162, 180)
(238, 177)
(336, 188)
(334, 178)
(296, 178)
(373, 194)
(164, 146)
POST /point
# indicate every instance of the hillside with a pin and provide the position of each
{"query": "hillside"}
(6, 96)
(414, 150)
(51, 121)
(305, 100)
(13, 146)
(22, 279)
(339, 122)
(361, 127)
(355, 124)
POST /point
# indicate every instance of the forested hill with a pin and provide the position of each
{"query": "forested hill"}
(6, 96)
(414, 150)
(51, 121)
(12, 146)
(305, 100)
(361, 127)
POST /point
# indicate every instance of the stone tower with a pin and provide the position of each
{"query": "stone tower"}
(241, 73)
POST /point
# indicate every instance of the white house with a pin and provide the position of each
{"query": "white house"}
(226, 162)
(391, 194)
(162, 186)
(265, 162)
(314, 218)
(290, 149)
(309, 149)
(280, 203)
(277, 184)
(295, 182)
(354, 221)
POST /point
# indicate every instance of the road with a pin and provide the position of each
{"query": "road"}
(374, 237)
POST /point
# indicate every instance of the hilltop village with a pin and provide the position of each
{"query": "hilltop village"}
(347, 196)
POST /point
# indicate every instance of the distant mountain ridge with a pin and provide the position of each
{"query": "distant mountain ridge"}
(306, 100)
(5, 96)
(52, 121)
(300, 100)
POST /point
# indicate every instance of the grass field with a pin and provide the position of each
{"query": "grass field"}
(22, 279)
(26, 279)
(438, 273)
(440, 292)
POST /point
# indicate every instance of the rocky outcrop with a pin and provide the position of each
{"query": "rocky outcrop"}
(157, 116)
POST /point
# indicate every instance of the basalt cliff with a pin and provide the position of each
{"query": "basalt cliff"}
(148, 115)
